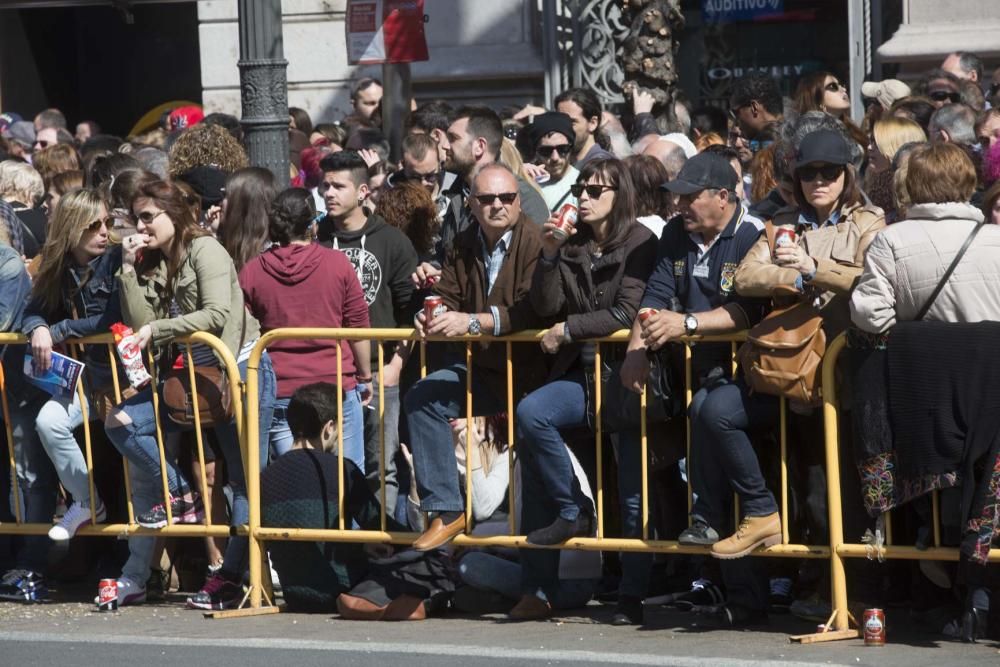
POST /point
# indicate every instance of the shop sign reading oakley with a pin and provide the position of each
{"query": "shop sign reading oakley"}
(730, 11)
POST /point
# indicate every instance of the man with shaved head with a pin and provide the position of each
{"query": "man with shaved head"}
(668, 152)
(485, 280)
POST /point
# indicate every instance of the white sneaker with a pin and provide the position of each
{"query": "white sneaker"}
(129, 592)
(77, 515)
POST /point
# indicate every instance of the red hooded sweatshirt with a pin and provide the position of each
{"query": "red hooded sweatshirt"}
(305, 286)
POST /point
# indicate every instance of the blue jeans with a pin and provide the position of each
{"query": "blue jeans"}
(487, 572)
(722, 457)
(137, 443)
(281, 436)
(373, 454)
(540, 415)
(430, 404)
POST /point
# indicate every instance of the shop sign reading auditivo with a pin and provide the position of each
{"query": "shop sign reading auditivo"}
(728, 11)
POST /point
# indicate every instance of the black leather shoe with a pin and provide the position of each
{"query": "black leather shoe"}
(561, 530)
(628, 611)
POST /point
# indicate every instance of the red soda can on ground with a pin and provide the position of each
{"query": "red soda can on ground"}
(873, 624)
(107, 595)
(433, 306)
(566, 219)
(783, 236)
(645, 313)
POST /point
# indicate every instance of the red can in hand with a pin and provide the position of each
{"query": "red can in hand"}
(433, 306)
(565, 221)
(784, 236)
(645, 314)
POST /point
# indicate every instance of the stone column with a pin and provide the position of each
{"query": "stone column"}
(263, 86)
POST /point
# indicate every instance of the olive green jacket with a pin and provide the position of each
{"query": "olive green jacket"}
(207, 291)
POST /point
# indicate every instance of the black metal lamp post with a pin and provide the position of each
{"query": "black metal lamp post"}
(264, 87)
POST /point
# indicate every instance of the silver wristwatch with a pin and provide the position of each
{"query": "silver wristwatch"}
(475, 328)
(690, 324)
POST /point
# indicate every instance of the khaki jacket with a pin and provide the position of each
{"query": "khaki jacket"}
(207, 291)
(839, 252)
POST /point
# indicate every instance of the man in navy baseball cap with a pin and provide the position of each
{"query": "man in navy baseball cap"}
(705, 171)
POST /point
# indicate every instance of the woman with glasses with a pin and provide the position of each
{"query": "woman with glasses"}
(74, 295)
(832, 227)
(822, 91)
(173, 266)
(590, 282)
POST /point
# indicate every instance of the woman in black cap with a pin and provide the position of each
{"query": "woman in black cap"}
(832, 227)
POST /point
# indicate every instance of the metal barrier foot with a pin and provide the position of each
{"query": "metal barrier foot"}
(828, 635)
(268, 607)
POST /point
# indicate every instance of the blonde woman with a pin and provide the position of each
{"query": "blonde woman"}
(888, 136)
(74, 294)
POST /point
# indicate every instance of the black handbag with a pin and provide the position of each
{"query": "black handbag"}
(620, 407)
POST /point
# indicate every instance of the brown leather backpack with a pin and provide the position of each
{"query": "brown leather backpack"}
(783, 355)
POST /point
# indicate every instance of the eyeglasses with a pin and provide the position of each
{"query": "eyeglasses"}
(829, 172)
(147, 217)
(834, 86)
(42, 143)
(429, 177)
(942, 95)
(96, 225)
(593, 191)
(734, 114)
(506, 198)
(545, 152)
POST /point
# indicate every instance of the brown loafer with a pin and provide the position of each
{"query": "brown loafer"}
(439, 533)
(530, 608)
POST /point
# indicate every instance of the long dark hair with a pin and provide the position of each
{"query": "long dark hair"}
(809, 97)
(183, 208)
(243, 230)
(613, 172)
(648, 174)
(850, 196)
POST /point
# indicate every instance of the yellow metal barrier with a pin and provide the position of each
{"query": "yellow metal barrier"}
(260, 534)
(19, 527)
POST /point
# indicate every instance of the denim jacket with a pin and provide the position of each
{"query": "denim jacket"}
(15, 287)
(96, 304)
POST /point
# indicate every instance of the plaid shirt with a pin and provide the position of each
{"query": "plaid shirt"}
(493, 260)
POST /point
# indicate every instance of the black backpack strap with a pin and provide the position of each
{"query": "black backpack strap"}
(947, 273)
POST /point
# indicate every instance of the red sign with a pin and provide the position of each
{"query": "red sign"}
(385, 31)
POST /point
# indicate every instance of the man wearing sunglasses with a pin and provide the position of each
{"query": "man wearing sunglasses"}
(552, 136)
(484, 285)
(942, 88)
(755, 104)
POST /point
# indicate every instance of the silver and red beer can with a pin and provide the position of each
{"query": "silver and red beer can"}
(646, 313)
(107, 595)
(565, 221)
(873, 625)
(433, 306)
(783, 236)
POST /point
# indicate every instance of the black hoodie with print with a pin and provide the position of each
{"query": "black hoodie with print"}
(384, 260)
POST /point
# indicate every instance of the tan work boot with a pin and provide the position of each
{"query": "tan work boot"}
(754, 531)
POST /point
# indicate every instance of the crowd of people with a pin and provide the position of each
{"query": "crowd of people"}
(712, 225)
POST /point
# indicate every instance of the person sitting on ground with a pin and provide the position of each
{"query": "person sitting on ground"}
(300, 489)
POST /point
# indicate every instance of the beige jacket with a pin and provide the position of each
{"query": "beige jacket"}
(906, 261)
(838, 251)
(207, 291)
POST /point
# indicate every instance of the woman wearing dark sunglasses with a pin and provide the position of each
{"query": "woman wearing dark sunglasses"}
(822, 91)
(591, 283)
(74, 294)
(833, 227)
(177, 280)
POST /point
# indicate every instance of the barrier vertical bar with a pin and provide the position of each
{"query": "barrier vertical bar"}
(113, 363)
(688, 395)
(936, 517)
(14, 487)
(381, 428)
(159, 435)
(600, 440)
(510, 439)
(784, 468)
(252, 433)
(88, 451)
(340, 436)
(199, 442)
(469, 427)
(643, 449)
(838, 577)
